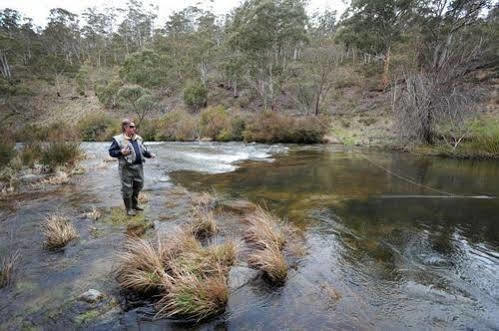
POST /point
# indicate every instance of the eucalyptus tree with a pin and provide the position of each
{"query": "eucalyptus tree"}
(267, 33)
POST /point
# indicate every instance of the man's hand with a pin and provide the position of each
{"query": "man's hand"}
(153, 156)
(125, 151)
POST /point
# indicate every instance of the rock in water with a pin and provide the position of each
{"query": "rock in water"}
(240, 276)
(91, 296)
(238, 206)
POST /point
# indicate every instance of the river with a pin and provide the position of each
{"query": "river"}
(392, 240)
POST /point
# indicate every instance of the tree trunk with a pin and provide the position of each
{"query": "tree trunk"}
(4, 66)
(386, 68)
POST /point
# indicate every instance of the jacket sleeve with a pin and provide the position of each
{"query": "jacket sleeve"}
(145, 152)
(114, 150)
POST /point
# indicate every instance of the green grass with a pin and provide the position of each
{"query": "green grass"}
(87, 317)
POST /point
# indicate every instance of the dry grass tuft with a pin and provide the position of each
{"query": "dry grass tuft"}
(204, 201)
(140, 267)
(206, 261)
(58, 231)
(143, 198)
(194, 297)
(190, 279)
(7, 268)
(263, 231)
(271, 261)
(203, 223)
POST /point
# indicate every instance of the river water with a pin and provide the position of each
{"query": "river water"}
(392, 240)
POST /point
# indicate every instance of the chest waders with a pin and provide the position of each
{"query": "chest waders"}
(131, 173)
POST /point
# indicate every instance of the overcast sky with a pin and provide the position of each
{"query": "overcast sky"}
(39, 9)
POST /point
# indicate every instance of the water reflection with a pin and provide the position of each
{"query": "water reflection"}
(382, 229)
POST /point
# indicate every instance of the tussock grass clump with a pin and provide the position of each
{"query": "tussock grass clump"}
(271, 261)
(269, 239)
(203, 223)
(189, 279)
(206, 261)
(195, 297)
(141, 268)
(263, 231)
(7, 268)
(58, 231)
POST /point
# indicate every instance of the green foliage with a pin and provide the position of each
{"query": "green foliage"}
(145, 68)
(81, 80)
(177, 125)
(138, 100)
(30, 154)
(107, 93)
(195, 95)
(148, 129)
(272, 127)
(7, 152)
(98, 127)
(59, 154)
(485, 138)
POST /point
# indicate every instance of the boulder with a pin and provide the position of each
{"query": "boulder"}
(91, 296)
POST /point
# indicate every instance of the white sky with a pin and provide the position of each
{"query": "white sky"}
(39, 9)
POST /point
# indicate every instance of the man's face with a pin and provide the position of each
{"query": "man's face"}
(130, 129)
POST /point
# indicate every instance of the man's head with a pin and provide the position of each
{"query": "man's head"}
(128, 127)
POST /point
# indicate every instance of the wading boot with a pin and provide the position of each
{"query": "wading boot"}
(128, 207)
(135, 203)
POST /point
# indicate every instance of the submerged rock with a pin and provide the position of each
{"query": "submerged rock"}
(238, 206)
(91, 296)
(240, 276)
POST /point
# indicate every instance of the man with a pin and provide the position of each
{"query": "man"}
(130, 151)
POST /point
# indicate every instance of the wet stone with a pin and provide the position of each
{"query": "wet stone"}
(238, 206)
(240, 276)
(91, 296)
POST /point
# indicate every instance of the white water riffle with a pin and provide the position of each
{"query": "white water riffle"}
(208, 157)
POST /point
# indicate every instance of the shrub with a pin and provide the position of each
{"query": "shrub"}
(148, 129)
(56, 154)
(177, 125)
(30, 154)
(81, 80)
(58, 231)
(213, 121)
(107, 93)
(485, 140)
(7, 152)
(195, 95)
(272, 127)
(98, 127)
